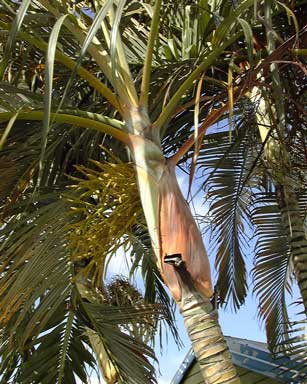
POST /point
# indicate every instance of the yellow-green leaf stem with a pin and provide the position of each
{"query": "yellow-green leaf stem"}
(94, 116)
(188, 83)
(154, 29)
(12, 36)
(121, 74)
(197, 139)
(7, 130)
(98, 53)
(123, 69)
(78, 29)
(299, 51)
(50, 55)
(124, 137)
(70, 64)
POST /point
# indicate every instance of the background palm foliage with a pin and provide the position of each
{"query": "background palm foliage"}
(57, 314)
(50, 308)
(245, 184)
(245, 209)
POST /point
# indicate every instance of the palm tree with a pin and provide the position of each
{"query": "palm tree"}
(143, 82)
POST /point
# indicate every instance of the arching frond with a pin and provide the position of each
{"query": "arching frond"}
(125, 352)
(226, 165)
(44, 313)
(36, 296)
(155, 292)
(272, 271)
(295, 348)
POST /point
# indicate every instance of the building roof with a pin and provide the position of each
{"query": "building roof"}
(253, 361)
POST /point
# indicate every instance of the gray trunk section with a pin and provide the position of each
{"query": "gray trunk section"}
(208, 342)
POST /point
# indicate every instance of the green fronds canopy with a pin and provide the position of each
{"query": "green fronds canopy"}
(47, 282)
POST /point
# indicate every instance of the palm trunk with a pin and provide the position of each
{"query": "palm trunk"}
(210, 348)
(173, 231)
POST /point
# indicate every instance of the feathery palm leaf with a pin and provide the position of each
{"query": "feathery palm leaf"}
(272, 272)
(226, 165)
(48, 327)
(37, 289)
(259, 213)
(143, 258)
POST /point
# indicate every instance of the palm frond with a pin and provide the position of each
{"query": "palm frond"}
(60, 354)
(36, 293)
(143, 260)
(272, 271)
(45, 315)
(126, 353)
(26, 240)
(295, 348)
(226, 166)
